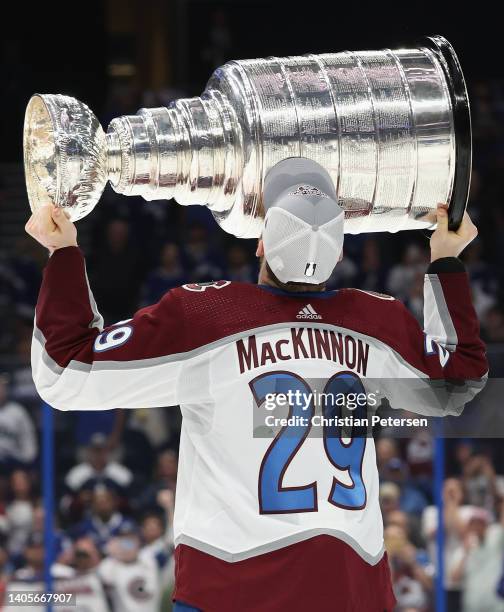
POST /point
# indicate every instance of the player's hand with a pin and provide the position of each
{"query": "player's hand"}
(445, 243)
(51, 227)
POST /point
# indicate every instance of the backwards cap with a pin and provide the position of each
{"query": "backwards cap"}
(303, 227)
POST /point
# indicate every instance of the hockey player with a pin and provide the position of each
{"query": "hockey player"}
(290, 522)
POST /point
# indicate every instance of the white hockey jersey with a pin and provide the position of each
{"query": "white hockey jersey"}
(250, 504)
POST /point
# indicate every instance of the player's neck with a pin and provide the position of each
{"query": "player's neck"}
(266, 277)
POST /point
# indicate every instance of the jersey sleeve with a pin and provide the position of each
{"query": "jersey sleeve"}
(448, 355)
(451, 321)
(79, 365)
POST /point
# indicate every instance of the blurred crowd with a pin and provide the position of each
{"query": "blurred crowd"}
(115, 489)
(117, 470)
(473, 519)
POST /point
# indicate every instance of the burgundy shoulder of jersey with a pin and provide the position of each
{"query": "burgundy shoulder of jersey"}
(213, 311)
(223, 308)
(367, 310)
(374, 314)
(217, 309)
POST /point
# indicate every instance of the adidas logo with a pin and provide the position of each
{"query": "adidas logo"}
(308, 312)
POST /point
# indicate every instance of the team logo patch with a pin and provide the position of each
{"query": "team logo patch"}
(204, 286)
(308, 312)
(309, 190)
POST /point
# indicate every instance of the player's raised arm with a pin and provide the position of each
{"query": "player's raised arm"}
(79, 365)
(449, 316)
(449, 350)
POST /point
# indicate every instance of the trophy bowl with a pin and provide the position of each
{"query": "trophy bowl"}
(65, 155)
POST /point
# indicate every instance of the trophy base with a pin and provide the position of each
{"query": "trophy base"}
(461, 123)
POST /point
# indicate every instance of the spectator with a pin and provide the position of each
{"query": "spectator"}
(478, 563)
(18, 442)
(483, 280)
(4, 571)
(456, 516)
(8, 329)
(481, 483)
(131, 581)
(414, 297)
(154, 424)
(403, 276)
(60, 540)
(98, 469)
(165, 478)
(239, 267)
(104, 520)
(138, 451)
(33, 568)
(157, 538)
(419, 454)
(371, 274)
(394, 469)
(83, 556)
(82, 580)
(167, 275)
(398, 518)
(411, 571)
(152, 529)
(406, 522)
(116, 272)
(108, 423)
(389, 496)
(167, 469)
(386, 449)
(412, 500)
(19, 512)
(203, 262)
(26, 266)
(22, 385)
(463, 451)
(343, 274)
(493, 324)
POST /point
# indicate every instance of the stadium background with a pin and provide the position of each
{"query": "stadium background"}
(117, 57)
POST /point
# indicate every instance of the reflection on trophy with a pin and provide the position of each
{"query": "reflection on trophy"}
(392, 127)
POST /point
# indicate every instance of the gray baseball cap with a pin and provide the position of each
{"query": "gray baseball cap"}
(303, 226)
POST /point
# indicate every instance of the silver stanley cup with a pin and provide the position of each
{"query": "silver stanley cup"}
(391, 127)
